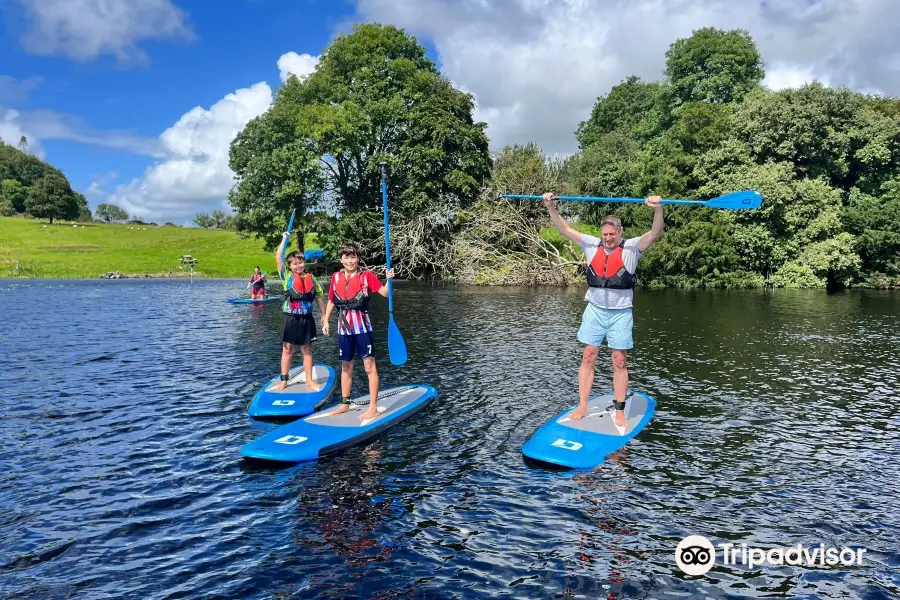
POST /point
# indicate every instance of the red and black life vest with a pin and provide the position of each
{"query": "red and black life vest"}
(608, 270)
(301, 289)
(351, 293)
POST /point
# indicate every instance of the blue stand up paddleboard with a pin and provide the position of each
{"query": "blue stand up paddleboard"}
(583, 444)
(322, 433)
(297, 399)
(256, 301)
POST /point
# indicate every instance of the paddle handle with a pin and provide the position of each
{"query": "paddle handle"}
(387, 235)
(599, 199)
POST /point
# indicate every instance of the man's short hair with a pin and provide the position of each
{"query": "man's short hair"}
(611, 220)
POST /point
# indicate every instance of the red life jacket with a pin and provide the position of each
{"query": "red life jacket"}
(301, 289)
(608, 270)
(352, 293)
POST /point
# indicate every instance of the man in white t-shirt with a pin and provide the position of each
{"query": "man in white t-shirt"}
(610, 277)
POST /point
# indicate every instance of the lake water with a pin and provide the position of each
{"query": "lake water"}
(124, 405)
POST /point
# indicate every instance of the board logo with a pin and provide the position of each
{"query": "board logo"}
(291, 439)
(567, 444)
(282, 402)
(695, 555)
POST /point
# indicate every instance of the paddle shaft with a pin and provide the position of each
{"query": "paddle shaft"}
(287, 242)
(597, 199)
(387, 236)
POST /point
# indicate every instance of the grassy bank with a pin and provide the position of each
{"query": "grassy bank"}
(63, 251)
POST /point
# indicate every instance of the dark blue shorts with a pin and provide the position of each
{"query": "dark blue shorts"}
(359, 344)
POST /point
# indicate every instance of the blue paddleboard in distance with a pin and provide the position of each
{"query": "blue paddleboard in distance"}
(583, 444)
(310, 438)
(297, 399)
(257, 301)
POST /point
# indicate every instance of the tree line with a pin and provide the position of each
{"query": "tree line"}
(826, 161)
(31, 186)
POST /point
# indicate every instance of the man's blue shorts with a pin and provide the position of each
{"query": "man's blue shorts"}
(359, 344)
(614, 324)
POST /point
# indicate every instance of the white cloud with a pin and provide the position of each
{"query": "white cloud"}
(536, 67)
(38, 125)
(300, 65)
(85, 29)
(783, 77)
(12, 130)
(194, 177)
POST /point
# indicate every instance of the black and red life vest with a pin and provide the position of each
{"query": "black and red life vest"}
(608, 270)
(351, 293)
(300, 289)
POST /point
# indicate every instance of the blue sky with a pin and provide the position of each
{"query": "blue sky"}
(139, 95)
(94, 84)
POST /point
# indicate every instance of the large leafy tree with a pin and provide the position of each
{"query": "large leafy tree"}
(111, 212)
(714, 66)
(52, 198)
(826, 161)
(374, 96)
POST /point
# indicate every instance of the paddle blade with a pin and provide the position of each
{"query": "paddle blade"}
(396, 344)
(745, 199)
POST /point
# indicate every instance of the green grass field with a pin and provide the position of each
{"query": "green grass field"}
(61, 251)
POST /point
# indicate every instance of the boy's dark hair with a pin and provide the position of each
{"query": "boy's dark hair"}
(348, 250)
(292, 255)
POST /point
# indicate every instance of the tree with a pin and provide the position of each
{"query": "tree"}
(84, 212)
(635, 108)
(111, 212)
(374, 96)
(13, 193)
(229, 223)
(219, 217)
(52, 197)
(205, 220)
(714, 66)
(809, 127)
(23, 144)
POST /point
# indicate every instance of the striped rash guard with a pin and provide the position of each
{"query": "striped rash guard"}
(354, 289)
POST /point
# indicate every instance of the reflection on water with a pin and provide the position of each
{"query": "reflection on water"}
(124, 406)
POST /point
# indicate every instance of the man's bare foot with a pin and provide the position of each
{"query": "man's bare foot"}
(620, 418)
(369, 414)
(578, 413)
(281, 386)
(316, 387)
(340, 409)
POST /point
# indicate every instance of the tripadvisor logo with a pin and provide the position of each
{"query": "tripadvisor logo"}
(695, 555)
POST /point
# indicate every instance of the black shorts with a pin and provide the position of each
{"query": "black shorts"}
(298, 329)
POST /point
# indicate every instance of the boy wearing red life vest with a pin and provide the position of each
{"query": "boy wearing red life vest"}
(301, 289)
(612, 263)
(349, 291)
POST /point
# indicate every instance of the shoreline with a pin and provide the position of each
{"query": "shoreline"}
(111, 275)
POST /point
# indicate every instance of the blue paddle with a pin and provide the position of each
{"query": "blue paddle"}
(396, 344)
(288, 242)
(745, 199)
